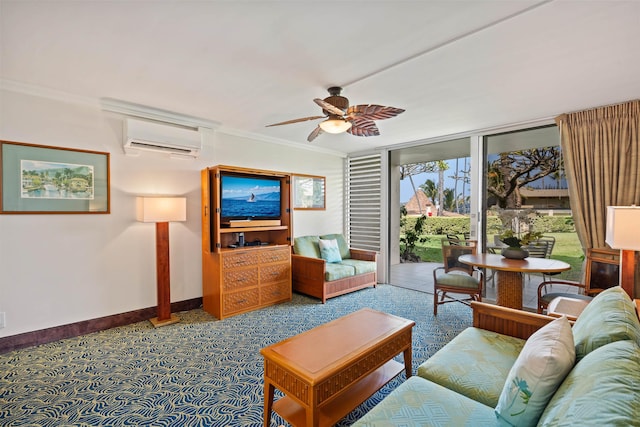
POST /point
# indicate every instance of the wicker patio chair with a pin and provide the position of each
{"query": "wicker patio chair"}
(455, 277)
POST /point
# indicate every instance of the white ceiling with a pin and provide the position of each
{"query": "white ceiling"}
(455, 66)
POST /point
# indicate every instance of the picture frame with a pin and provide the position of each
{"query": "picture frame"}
(309, 192)
(43, 179)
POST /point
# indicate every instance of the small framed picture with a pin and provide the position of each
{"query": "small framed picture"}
(309, 192)
(41, 179)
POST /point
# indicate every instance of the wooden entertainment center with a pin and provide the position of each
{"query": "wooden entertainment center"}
(246, 262)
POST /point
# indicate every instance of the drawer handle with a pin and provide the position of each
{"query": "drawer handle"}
(240, 301)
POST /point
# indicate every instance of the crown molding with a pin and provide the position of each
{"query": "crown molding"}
(109, 104)
(137, 110)
(165, 116)
(43, 92)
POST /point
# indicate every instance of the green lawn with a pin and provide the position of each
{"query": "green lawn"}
(567, 249)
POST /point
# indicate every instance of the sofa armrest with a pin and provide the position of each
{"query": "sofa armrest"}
(363, 255)
(507, 321)
(307, 266)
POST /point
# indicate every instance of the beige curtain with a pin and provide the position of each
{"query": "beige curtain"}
(601, 149)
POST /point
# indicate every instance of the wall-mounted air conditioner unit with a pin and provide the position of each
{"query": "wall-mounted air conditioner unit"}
(160, 137)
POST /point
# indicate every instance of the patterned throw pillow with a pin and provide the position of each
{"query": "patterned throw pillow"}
(329, 250)
(545, 360)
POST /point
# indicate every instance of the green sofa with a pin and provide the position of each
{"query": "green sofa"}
(463, 383)
(312, 275)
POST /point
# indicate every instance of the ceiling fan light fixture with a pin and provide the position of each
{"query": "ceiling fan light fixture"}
(358, 120)
(335, 125)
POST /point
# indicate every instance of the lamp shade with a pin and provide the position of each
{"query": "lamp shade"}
(335, 125)
(623, 227)
(161, 209)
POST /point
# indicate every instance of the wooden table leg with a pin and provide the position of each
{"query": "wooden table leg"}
(509, 289)
(268, 401)
(313, 415)
(407, 361)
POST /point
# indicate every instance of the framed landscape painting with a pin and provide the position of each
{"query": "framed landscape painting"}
(308, 192)
(41, 179)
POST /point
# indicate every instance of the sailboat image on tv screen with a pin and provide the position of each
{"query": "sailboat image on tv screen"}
(248, 197)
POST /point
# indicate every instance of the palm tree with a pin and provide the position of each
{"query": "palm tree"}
(461, 175)
(408, 171)
(440, 166)
(455, 182)
(449, 200)
(430, 190)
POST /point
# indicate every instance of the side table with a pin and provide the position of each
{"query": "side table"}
(565, 306)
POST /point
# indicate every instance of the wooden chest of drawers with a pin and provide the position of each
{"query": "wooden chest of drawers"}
(245, 279)
(235, 278)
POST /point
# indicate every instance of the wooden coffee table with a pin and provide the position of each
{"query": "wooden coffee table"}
(329, 370)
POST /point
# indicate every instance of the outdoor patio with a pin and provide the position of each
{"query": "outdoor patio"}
(419, 276)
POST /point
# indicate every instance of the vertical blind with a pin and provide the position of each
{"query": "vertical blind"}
(364, 190)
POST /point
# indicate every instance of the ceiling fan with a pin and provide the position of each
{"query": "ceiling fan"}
(358, 120)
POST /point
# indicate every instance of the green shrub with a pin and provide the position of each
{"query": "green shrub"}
(542, 224)
(439, 225)
(460, 224)
(412, 235)
(554, 224)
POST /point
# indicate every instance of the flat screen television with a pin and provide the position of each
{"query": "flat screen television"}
(246, 197)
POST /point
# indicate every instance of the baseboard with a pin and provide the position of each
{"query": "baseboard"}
(44, 336)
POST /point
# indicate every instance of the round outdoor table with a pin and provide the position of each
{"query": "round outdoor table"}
(510, 273)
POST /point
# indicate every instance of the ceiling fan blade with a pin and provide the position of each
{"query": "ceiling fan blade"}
(363, 127)
(304, 119)
(373, 112)
(317, 131)
(328, 107)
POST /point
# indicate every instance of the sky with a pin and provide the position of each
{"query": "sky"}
(235, 186)
(406, 191)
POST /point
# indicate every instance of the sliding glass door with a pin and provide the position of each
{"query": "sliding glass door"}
(432, 183)
(526, 194)
(465, 186)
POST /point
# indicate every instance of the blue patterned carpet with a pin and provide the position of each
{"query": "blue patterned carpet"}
(200, 372)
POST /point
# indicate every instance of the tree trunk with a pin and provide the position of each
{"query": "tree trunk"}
(464, 186)
(440, 191)
(517, 197)
(455, 187)
(415, 192)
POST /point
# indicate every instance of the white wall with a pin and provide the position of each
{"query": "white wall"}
(59, 269)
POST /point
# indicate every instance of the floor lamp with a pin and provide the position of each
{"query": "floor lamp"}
(162, 210)
(623, 232)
